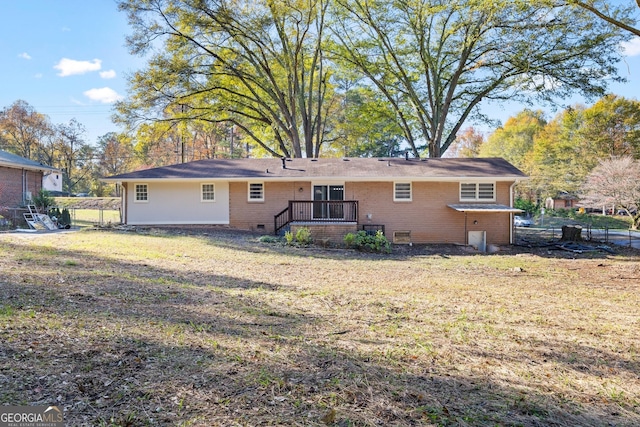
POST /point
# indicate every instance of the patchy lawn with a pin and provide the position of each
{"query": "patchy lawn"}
(218, 329)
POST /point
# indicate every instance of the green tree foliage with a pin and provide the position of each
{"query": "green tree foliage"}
(557, 160)
(366, 126)
(435, 61)
(575, 141)
(514, 141)
(612, 127)
(43, 200)
(258, 65)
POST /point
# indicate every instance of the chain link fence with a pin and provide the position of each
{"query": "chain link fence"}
(552, 231)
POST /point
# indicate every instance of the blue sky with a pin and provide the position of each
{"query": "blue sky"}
(67, 59)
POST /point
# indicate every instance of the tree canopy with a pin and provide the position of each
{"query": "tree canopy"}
(270, 67)
(614, 182)
(256, 64)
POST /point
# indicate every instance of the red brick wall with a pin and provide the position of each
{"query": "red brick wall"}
(11, 185)
(248, 215)
(427, 216)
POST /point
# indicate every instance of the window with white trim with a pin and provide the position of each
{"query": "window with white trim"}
(207, 193)
(402, 192)
(141, 193)
(256, 192)
(477, 192)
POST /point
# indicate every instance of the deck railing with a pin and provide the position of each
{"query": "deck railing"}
(317, 211)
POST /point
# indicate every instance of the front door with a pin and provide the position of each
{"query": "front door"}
(324, 193)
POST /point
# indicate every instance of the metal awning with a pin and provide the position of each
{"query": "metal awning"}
(486, 208)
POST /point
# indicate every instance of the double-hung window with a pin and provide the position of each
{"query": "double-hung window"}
(402, 192)
(141, 193)
(477, 192)
(256, 192)
(207, 192)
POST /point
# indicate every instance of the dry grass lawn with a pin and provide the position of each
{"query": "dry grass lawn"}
(219, 329)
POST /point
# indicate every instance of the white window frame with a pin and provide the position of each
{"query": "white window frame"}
(249, 192)
(136, 193)
(477, 192)
(202, 192)
(396, 193)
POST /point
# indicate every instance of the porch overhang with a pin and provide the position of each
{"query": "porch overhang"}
(484, 207)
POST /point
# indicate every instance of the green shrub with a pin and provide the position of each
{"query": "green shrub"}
(269, 239)
(363, 241)
(349, 239)
(303, 236)
(65, 217)
(43, 201)
(526, 205)
(288, 237)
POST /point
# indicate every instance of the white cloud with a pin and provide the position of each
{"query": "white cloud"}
(70, 67)
(105, 95)
(24, 55)
(38, 76)
(632, 47)
(109, 74)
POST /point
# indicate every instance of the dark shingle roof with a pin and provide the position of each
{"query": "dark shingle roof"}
(12, 160)
(347, 168)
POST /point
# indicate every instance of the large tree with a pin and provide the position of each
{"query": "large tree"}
(258, 65)
(614, 182)
(514, 142)
(560, 158)
(575, 141)
(435, 61)
(22, 130)
(75, 156)
(612, 127)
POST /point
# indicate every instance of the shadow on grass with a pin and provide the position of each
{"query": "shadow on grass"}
(133, 344)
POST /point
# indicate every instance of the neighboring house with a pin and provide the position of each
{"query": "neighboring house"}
(561, 201)
(21, 179)
(415, 200)
(52, 181)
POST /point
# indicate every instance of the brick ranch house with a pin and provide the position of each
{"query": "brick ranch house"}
(414, 200)
(21, 178)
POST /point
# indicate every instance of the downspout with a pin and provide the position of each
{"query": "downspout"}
(25, 186)
(511, 213)
(466, 234)
(123, 203)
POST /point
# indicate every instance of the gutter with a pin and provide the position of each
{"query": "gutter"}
(511, 236)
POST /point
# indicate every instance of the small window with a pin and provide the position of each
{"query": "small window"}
(142, 192)
(208, 193)
(402, 191)
(472, 191)
(256, 192)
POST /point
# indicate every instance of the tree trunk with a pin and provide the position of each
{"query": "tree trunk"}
(571, 233)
